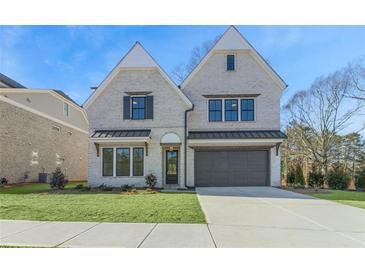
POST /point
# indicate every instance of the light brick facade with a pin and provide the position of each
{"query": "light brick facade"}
(29, 145)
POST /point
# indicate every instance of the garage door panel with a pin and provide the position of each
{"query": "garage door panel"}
(231, 168)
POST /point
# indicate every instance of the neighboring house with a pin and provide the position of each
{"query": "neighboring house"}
(39, 131)
(221, 127)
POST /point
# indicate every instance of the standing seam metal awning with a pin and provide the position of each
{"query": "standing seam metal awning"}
(244, 134)
(121, 133)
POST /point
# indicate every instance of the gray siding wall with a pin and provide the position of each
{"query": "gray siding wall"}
(248, 78)
(28, 144)
(106, 112)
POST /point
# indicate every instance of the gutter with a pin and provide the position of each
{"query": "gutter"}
(186, 142)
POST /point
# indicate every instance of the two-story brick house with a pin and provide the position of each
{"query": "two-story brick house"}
(221, 127)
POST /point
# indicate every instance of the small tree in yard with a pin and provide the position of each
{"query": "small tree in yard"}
(151, 180)
(58, 179)
(338, 178)
(299, 181)
(360, 180)
(315, 178)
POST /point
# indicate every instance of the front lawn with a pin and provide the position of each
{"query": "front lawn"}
(351, 198)
(35, 202)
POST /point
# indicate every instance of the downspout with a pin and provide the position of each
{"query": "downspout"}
(185, 143)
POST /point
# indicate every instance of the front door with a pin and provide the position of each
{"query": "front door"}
(171, 166)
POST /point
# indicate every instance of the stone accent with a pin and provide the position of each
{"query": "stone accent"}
(28, 144)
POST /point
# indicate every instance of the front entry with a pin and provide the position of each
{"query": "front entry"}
(171, 166)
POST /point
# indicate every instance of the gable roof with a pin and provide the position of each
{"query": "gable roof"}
(136, 57)
(232, 39)
(10, 82)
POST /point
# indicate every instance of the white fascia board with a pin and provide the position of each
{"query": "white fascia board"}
(14, 103)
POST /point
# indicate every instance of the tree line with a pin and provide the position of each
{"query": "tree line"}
(324, 147)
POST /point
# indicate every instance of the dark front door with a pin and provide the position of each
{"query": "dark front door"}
(171, 167)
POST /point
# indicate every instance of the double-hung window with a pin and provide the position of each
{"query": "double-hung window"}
(247, 110)
(138, 161)
(107, 162)
(231, 110)
(215, 110)
(123, 161)
(138, 108)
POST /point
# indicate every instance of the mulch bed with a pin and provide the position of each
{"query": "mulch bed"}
(307, 190)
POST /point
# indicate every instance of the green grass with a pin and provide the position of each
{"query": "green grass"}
(35, 188)
(351, 198)
(33, 202)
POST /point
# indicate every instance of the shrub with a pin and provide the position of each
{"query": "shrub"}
(299, 181)
(290, 178)
(104, 187)
(338, 178)
(79, 186)
(3, 181)
(58, 179)
(360, 180)
(151, 180)
(126, 187)
(315, 179)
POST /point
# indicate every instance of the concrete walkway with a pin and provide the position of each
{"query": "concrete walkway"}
(74, 234)
(237, 217)
(271, 217)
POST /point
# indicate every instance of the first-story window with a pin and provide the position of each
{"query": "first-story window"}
(247, 110)
(231, 110)
(107, 162)
(138, 161)
(215, 110)
(123, 162)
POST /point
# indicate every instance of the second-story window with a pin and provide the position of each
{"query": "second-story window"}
(231, 110)
(247, 110)
(138, 108)
(215, 110)
(230, 62)
(65, 109)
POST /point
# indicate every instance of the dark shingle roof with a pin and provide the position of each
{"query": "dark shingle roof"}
(10, 82)
(121, 133)
(64, 95)
(244, 134)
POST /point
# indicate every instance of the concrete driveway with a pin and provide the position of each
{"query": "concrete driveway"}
(271, 217)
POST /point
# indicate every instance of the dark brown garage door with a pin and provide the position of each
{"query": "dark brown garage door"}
(231, 168)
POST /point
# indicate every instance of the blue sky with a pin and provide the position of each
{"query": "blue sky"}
(74, 58)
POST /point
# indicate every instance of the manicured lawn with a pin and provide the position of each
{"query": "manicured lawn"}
(34, 202)
(35, 188)
(351, 198)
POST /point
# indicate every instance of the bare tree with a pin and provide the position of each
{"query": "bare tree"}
(356, 72)
(181, 71)
(323, 112)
